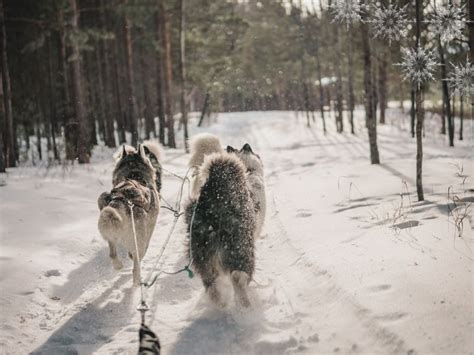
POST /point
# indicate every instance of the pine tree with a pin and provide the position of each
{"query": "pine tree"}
(165, 31)
(369, 98)
(132, 112)
(78, 132)
(9, 137)
(182, 72)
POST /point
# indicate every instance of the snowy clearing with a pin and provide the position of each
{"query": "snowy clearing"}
(349, 262)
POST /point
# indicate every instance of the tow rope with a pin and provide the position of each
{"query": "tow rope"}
(148, 341)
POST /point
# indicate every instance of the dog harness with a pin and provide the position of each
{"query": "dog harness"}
(131, 191)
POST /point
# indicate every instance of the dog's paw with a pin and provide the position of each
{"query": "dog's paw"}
(117, 264)
(243, 301)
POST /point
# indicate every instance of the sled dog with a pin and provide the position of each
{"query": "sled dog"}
(222, 224)
(154, 152)
(254, 167)
(134, 182)
(201, 145)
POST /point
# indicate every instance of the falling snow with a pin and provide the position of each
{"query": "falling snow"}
(347, 11)
(448, 22)
(390, 21)
(461, 79)
(418, 65)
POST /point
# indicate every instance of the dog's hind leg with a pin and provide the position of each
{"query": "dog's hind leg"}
(240, 281)
(209, 276)
(117, 264)
(240, 262)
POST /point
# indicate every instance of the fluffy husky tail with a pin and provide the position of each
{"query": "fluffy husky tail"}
(225, 171)
(202, 145)
(154, 148)
(222, 177)
(110, 223)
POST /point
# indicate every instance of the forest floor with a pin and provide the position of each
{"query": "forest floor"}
(349, 261)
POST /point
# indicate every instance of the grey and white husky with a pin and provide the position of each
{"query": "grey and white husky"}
(135, 182)
(222, 225)
(254, 167)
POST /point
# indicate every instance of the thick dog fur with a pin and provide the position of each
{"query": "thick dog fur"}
(256, 182)
(134, 180)
(153, 151)
(223, 226)
(201, 146)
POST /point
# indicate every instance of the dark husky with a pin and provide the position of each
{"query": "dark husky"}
(222, 225)
(135, 182)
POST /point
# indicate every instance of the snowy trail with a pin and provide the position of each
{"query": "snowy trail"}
(333, 274)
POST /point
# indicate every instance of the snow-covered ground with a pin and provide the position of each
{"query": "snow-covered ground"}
(349, 261)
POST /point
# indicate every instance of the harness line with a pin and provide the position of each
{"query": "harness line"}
(150, 280)
(143, 307)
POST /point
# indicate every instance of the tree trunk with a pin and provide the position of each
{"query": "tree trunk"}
(471, 30)
(351, 81)
(79, 127)
(368, 96)
(306, 102)
(339, 98)
(305, 92)
(131, 98)
(412, 112)
(383, 86)
(66, 110)
(419, 143)
(107, 84)
(454, 110)
(121, 121)
(9, 138)
(204, 108)
(52, 100)
(419, 115)
(38, 136)
(401, 95)
(40, 114)
(2, 124)
(148, 109)
(443, 112)
(92, 99)
(159, 79)
(168, 73)
(321, 89)
(182, 73)
(461, 117)
(101, 96)
(375, 96)
(2, 160)
(446, 99)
